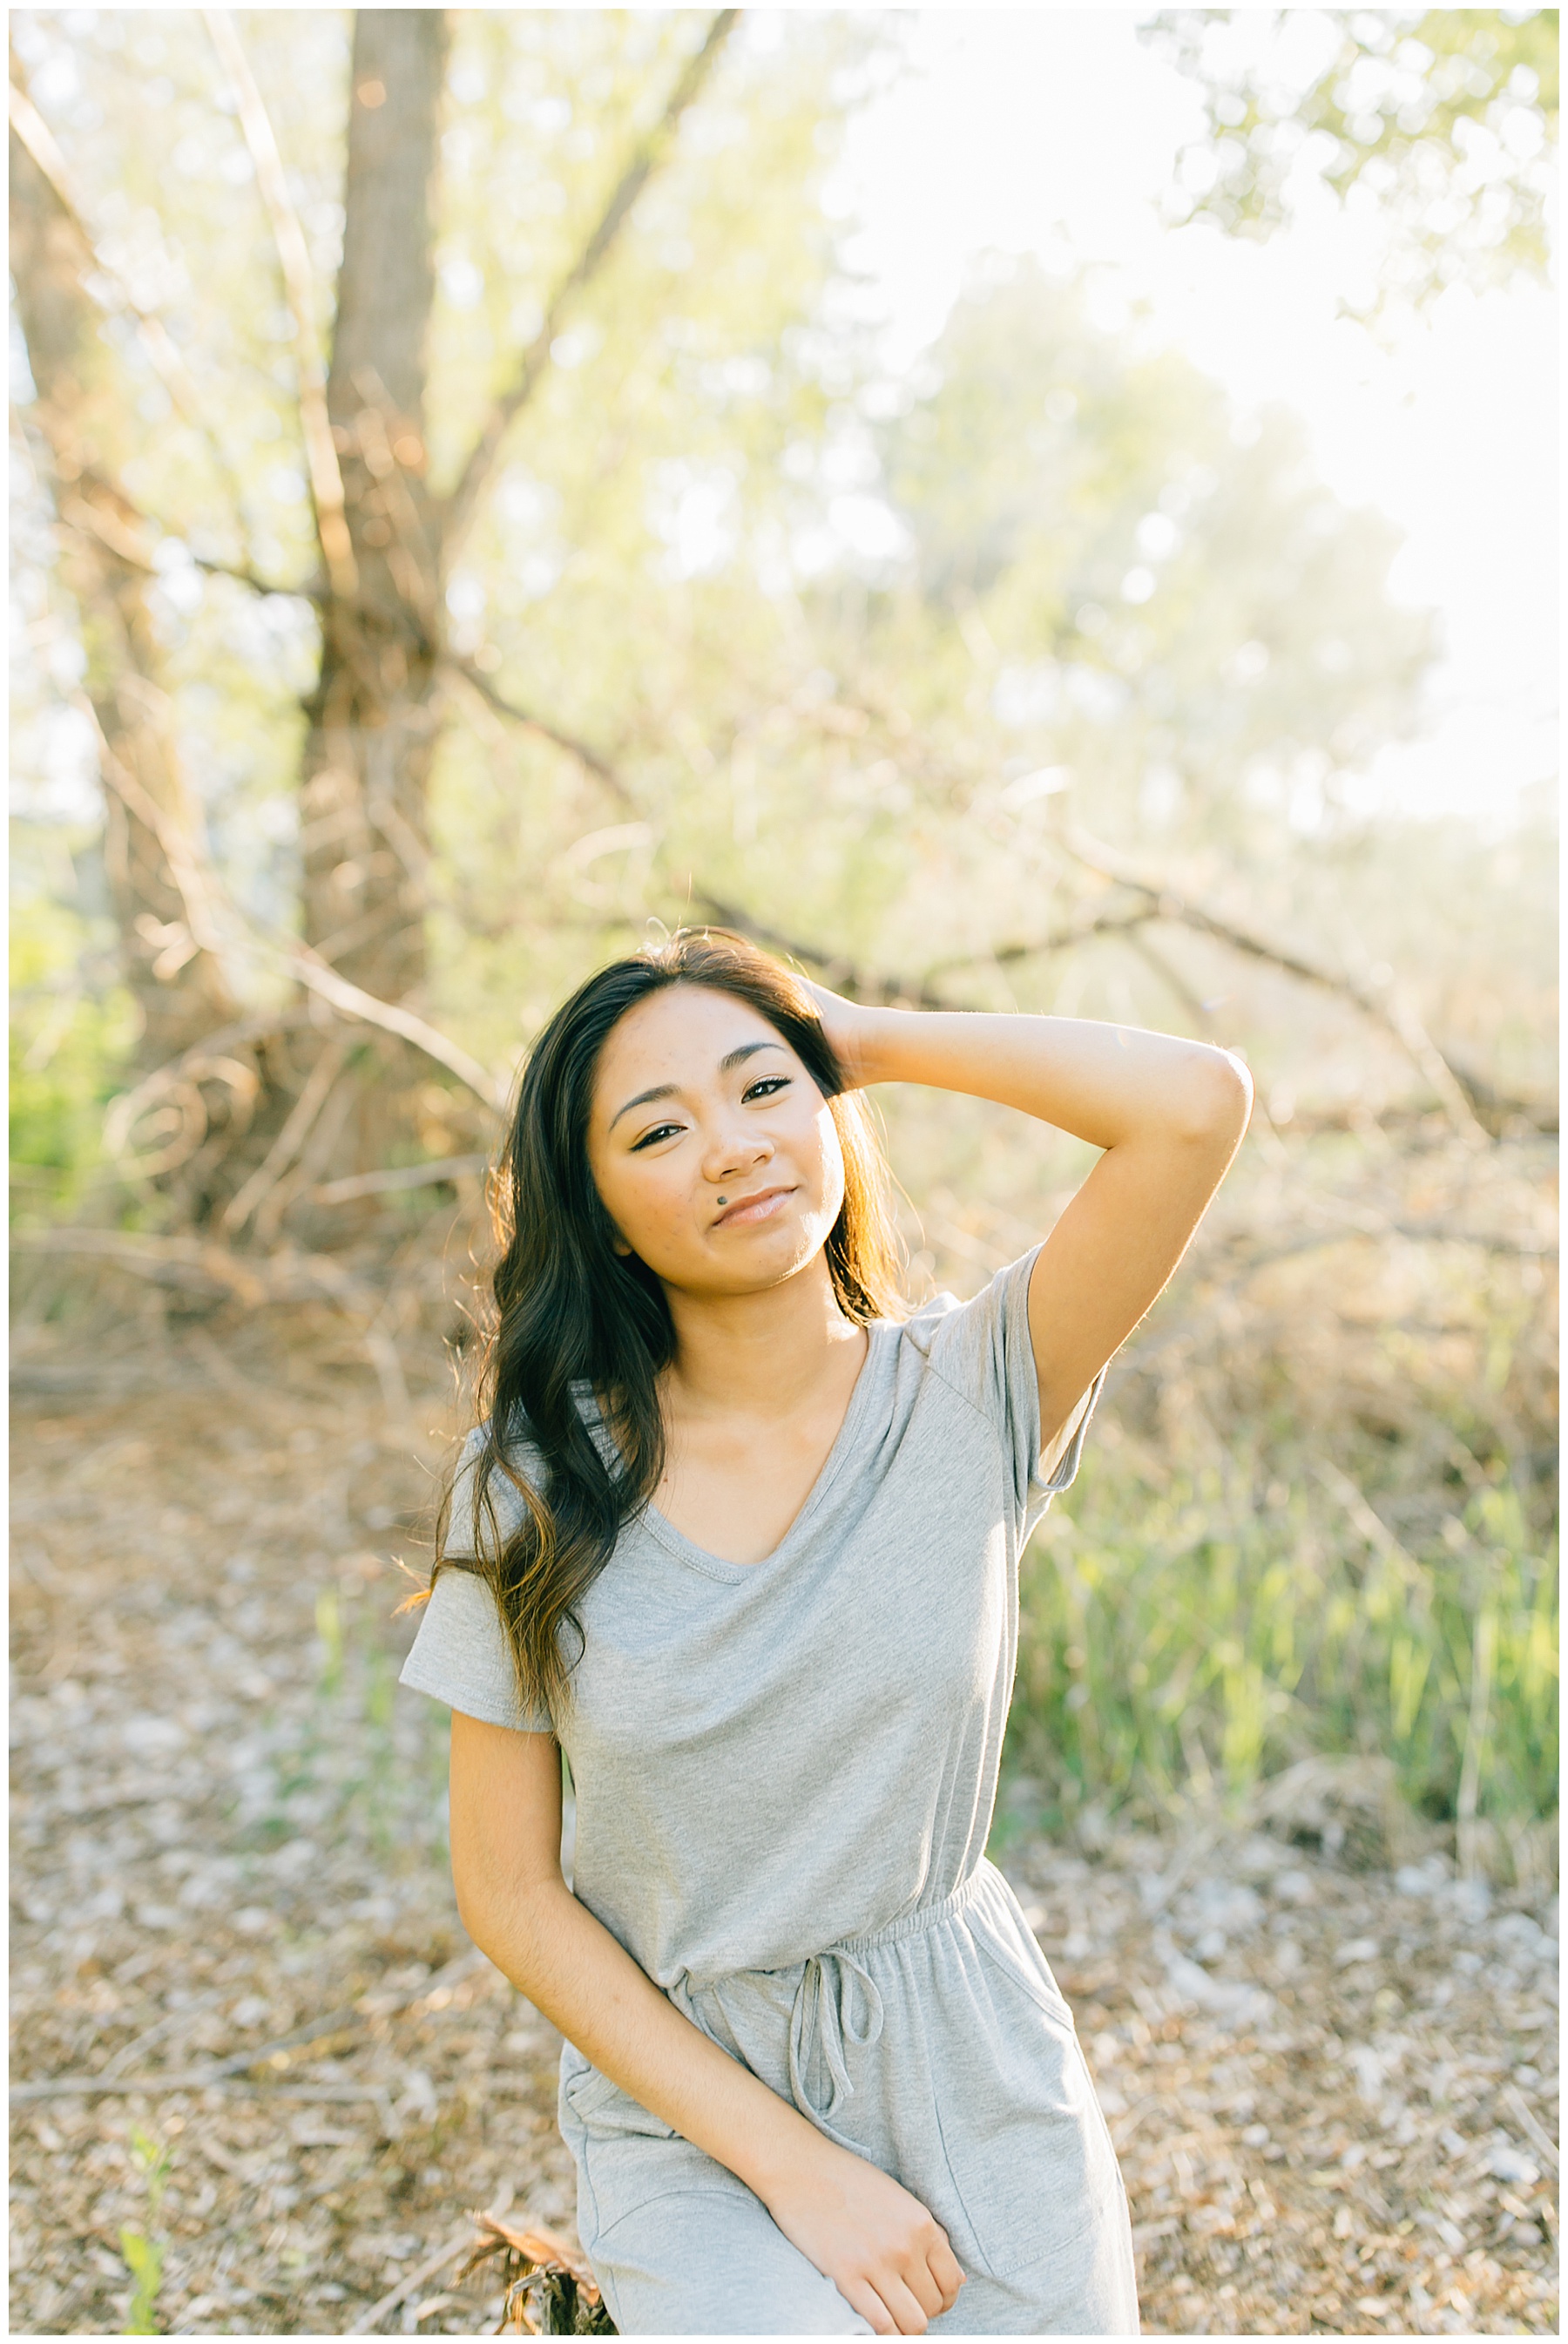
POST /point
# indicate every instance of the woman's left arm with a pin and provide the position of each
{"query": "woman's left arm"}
(1169, 1113)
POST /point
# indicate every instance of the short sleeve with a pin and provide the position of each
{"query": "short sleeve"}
(504, 1500)
(982, 1349)
(461, 1654)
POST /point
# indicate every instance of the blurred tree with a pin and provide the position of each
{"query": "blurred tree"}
(372, 716)
(1444, 117)
(386, 545)
(154, 854)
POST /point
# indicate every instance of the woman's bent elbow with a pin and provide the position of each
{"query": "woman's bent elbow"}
(505, 1919)
(1215, 1103)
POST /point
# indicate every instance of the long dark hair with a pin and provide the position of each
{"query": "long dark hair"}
(569, 1311)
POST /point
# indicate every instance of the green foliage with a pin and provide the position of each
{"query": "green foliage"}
(144, 2252)
(1204, 1631)
(1080, 595)
(1445, 116)
(71, 1034)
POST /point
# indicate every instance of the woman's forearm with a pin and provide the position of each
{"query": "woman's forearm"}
(1106, 1084)
(585, 1982)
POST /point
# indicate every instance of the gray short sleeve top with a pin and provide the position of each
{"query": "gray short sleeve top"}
(769, 1757)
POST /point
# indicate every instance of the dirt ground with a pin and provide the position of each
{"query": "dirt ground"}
(1333, 2089)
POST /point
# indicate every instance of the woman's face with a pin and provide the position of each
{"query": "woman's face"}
(715, 1155)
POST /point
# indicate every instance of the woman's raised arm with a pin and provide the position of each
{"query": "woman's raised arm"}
(1169, 1113)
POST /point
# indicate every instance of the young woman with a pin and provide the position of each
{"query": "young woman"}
(743, 1540)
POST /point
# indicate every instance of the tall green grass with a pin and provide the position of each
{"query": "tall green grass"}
(1196, 1637)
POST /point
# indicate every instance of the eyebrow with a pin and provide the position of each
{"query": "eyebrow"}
(726, 1065)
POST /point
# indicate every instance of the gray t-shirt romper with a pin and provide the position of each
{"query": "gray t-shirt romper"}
(785, 1773)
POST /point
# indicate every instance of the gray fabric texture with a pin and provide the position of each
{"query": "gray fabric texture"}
(785, 1774)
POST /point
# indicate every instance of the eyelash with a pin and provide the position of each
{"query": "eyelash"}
(763, 1088)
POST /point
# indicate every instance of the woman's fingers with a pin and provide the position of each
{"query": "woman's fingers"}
(925, 2287)
(910, 2316)
(945, 2269)
(861, 2296)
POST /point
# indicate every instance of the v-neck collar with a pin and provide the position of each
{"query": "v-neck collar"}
(715, 1566)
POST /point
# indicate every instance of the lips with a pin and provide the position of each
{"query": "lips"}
(758, 1207)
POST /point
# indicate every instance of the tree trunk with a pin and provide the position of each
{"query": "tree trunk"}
(154, 833)
(372, 716)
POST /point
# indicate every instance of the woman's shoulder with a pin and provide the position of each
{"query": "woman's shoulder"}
(979, 1351)
(941, 1320)
(518, 1447)
(514, 1460)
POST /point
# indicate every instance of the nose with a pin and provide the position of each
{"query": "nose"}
(734, 1150)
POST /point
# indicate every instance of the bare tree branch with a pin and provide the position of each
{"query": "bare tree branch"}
(112, 530)
(862, 983)
(185, 862)
(314, 973)
(460, 508)
(293, 258)
(1391, 1008)
(291, 1138)
(200, 889)
(849, 976)
(1104, 924)
(477, 680)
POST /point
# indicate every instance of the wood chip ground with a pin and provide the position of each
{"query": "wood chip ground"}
(1333, 2092)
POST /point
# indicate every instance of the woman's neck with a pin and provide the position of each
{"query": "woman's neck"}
(762, 1355)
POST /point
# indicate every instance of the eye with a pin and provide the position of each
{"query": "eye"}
(660, 1131)
(765, 1087)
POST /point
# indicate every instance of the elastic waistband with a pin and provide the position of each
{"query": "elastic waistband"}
(923, 1918)
(910, 1924)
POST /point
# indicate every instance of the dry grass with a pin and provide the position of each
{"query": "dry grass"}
(1335, 2092)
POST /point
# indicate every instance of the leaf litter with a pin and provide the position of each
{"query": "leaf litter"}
(1332, 2084)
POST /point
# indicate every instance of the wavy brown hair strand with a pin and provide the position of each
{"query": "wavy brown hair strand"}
(578, 1327)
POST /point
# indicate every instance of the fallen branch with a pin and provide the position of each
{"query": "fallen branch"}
(221, 2071)
(1460, 1091)
(402, 1175)
(192, 2079)
(191, 1265)
(537, 2259)
(185, 1264)
(369, 2321)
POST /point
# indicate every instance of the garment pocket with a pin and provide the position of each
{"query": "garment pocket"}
(626, 2157)
(1031, 2162)
(601, 2107)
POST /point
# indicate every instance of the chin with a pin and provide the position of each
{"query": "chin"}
(773, 1255)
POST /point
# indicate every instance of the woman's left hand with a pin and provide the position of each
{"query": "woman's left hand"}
(848, 1025)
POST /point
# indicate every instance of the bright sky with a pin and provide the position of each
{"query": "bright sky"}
(1055, 131)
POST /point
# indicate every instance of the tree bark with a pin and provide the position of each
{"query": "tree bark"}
(372, 716)
(153, 848)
